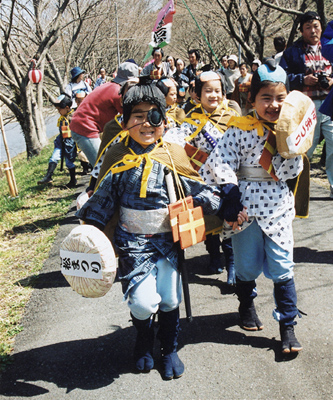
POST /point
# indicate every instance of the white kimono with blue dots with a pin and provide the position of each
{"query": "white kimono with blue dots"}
(271, 203)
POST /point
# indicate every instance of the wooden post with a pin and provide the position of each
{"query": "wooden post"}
(9, 176)
(8, 166)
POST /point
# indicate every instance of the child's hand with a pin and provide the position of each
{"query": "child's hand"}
(242, 217)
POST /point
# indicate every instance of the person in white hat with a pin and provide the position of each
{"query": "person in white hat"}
(231, 74)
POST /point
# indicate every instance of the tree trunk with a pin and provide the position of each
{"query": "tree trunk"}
(31, 120)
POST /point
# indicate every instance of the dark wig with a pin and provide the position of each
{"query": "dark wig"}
(142, 93)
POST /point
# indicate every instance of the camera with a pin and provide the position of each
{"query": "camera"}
(322, 79)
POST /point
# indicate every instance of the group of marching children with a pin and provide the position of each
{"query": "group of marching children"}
(216, 155)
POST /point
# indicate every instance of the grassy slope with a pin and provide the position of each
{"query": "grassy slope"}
(28, 226)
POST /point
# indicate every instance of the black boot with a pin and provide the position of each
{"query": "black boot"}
(286, 312)
(288, 339)
(48, 177)
(85, 167)
(143, 350)
(72, 183)
(246, 292)
(172, 366)
(213, 244)
(229, 261)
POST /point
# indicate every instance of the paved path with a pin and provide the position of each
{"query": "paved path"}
(77, 348)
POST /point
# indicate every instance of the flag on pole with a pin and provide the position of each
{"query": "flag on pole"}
(161, 34)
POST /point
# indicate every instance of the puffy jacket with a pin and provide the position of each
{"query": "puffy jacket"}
(293, 62)
(327, 42)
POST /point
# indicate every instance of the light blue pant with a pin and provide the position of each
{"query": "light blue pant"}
(255, 253)
(89, 146)
(324, 125)
(56, 156)
(161, 289)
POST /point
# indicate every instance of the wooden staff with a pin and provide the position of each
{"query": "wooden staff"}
(9, 167)
(181, 256)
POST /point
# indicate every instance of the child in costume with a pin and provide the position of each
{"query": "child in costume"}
(203, 125)
(132, 180)
(193, 100)
(175, 115)
(252, 174)
(64, 144)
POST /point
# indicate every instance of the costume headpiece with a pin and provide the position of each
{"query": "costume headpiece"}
(268, 71)
(209, 76)
(164, 84)
(143, 93)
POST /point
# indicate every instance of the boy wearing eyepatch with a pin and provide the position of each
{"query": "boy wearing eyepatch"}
(132, 180)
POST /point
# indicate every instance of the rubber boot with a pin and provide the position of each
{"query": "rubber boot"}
(85, 167)
(48, 177)
(72, 183)
(286, 312)
(172, 366)
(229, 261)
(246, 292)
(213, 244)
(143, 350)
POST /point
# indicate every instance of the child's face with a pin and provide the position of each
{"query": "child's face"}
(211, 95)
(171, 97)
(140, 129)
(63, 111)
(269, 100)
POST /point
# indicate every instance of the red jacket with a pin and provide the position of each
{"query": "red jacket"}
(98, 108)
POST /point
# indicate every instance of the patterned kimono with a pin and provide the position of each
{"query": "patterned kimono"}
(142, 186)
(270, 202)
(201, 129)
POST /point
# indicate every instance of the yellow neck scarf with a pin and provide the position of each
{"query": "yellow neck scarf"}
(134, 160)
(250, 122)
(198, 113)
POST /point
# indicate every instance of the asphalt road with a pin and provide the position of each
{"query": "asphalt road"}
(78, 348)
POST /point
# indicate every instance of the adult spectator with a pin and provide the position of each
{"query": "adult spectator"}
(231, 74)
(327, 51)
(157, 68)
(224, 62)
(77, 84)
(255, 65)
(102, 78)
(191, 70)
(311, 73)
(279, 45)
(101, 106)
(178, 76)
(242, 89)
(172, 62)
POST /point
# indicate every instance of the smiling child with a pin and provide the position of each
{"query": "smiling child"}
(132, 180)
(252, 174)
